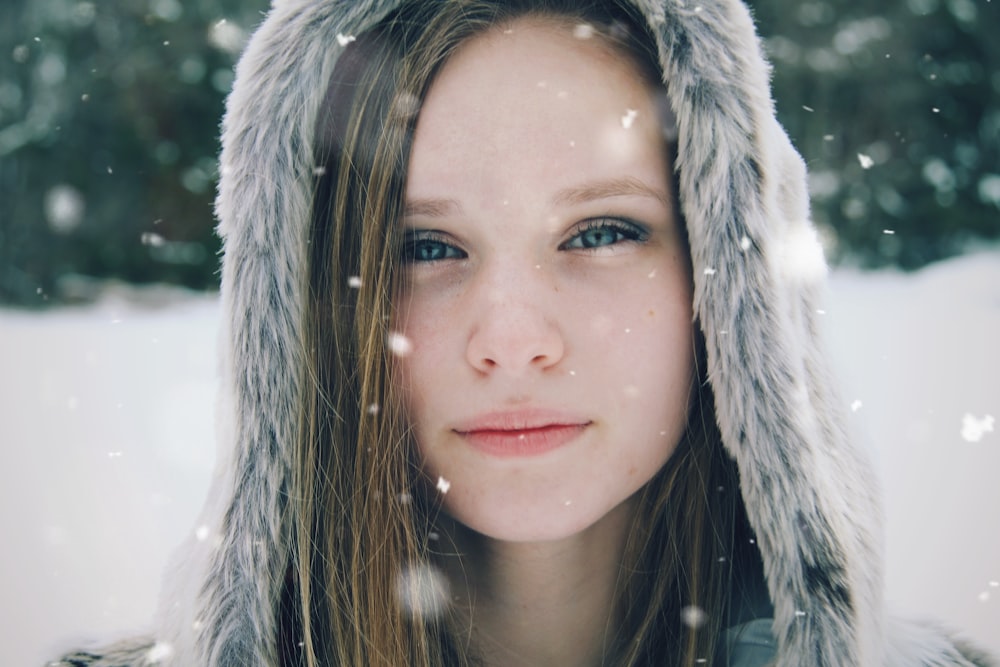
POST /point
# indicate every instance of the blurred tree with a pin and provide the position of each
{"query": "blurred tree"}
(109, 117)
(896, 109)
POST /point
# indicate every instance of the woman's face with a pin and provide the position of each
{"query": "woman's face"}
(548, 300)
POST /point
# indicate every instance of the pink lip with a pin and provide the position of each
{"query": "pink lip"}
(521, 433)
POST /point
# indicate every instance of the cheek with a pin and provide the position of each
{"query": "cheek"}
(421, 359)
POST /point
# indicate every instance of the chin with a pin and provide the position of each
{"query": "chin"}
(526, 525)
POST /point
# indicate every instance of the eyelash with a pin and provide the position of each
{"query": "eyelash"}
(415, 240)
(623, 230)
(429, 241)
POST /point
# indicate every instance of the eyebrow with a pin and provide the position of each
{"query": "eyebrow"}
(615, 187)
(431, 208)
(580, 194)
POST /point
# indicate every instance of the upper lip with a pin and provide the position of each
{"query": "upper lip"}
(520, 420)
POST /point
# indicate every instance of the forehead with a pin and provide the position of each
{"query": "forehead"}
(540, 96)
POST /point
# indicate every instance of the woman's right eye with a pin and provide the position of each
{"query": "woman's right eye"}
(428, 248)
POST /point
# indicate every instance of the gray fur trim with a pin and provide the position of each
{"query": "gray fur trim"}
(759, 275)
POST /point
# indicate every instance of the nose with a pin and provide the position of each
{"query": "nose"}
(514, 327)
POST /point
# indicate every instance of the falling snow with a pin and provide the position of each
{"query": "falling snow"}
(629, 118)
(974, 428)
(422, 590)
(161, 651)
(72, 365)
(152, 239)
(64, 208)
(443, 485)
(344, 40)
(399, 344)
(693, 617)
(866, 161)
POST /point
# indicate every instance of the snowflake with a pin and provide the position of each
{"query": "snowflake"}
(973, 428)
(443, 485)
(399, 344)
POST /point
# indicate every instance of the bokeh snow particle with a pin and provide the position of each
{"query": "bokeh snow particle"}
(443, 485)
(152, 239)
(856, 405)
(422, 590)
(866, 161)
(693, 617)
(168, 10)
(64, 206)
(344, 40)
(227, 37)
(973, 428)
(160, 652)
(354, 282)
(405, 106)
(799, 255)
(399, 344)
(583, 31)
(629, 118)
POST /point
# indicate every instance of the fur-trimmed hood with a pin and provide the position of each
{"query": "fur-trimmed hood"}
(758, 274)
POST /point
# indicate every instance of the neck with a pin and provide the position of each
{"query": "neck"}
(540, 603)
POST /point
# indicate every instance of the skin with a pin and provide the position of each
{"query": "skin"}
(545, 272)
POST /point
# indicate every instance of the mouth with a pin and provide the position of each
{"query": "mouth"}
(520, 434)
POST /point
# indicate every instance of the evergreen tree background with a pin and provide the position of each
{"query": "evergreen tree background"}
(109, 116)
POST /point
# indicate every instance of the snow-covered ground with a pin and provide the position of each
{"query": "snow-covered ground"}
(106, 447)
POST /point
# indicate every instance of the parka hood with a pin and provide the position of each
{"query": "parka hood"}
(758, 277)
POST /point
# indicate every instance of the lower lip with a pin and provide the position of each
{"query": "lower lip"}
(526, 442)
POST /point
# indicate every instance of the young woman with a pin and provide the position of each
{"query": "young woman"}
(523, 365)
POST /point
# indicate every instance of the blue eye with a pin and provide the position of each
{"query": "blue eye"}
(427, 248)
(603, 232)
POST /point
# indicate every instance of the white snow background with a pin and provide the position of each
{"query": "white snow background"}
(107, 445)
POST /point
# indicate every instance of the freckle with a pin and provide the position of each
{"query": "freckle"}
(652, 313)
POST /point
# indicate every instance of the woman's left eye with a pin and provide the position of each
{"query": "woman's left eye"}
(603, 232)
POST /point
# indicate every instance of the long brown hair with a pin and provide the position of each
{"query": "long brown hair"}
(358, 521)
